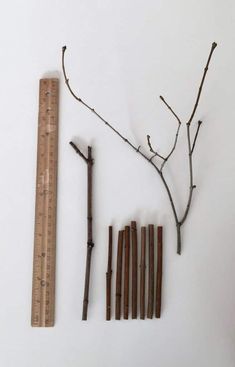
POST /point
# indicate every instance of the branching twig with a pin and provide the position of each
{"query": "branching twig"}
(179, 222)
(90, 244)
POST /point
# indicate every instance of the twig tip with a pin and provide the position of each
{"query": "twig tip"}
(64, 48)
(214, 45)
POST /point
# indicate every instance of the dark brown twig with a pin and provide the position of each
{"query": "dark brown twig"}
(109, 275)
(119, 276)
(178, 222)
(152, 150)
(151, 273)
(142, 273)
(159, 273)
(134, 269)
(196, 135)
(171, 109)
(126, 272)
(90, 244)
(213, 46)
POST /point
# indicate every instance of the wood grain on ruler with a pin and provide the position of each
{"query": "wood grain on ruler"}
(43, 292)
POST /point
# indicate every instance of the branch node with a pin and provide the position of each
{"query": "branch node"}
(90, 244)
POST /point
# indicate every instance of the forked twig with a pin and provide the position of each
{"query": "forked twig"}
(90, 244)
(179, 220)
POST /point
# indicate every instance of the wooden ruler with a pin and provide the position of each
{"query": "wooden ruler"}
(43, 292)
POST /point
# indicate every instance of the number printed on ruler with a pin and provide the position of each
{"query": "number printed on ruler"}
(43, 293)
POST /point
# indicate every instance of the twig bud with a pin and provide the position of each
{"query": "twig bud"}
(214, 45)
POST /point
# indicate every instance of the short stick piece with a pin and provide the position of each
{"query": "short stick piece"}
(159, 273)
(151, 273)
(142, 273)
(109, 275)
(134, 269)
(119, 276)
(126, 272)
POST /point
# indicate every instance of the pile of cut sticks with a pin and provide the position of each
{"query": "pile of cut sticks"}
(130, 283)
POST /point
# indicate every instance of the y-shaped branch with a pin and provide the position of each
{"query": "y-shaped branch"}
(178, 222)
(90, 244)
(165, 159)
(191, 148)
(136, 149)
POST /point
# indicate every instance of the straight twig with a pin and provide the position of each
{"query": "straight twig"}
(151, 273)
(159, 273)
(119, 276)
(134, 269)
(142, 272)
(126, 272)
(109, 275)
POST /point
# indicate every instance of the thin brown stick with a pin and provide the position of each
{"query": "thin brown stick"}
(109, 275)
(171, 109)
(134, 269)
(152, 150)
(151, 273)
(126, 272)
(159, 273)
(142, 273)
(196, 136)
(90, 244)
(119, 276)
(213, 46)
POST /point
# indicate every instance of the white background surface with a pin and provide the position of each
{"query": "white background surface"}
(121, 56)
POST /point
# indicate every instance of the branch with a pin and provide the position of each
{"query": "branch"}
(173, 148)
(136, 149)
(191, 186)
(170, 109)
(78, 151)
(196, 135)
(152, 150)
(177, 131)
(213, 46)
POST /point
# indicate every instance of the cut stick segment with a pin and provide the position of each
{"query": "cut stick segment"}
(142, 272)
(159, 273)
(151, 273)
(134, 269)
(126, 272)
(119, 276)
(109, 275)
